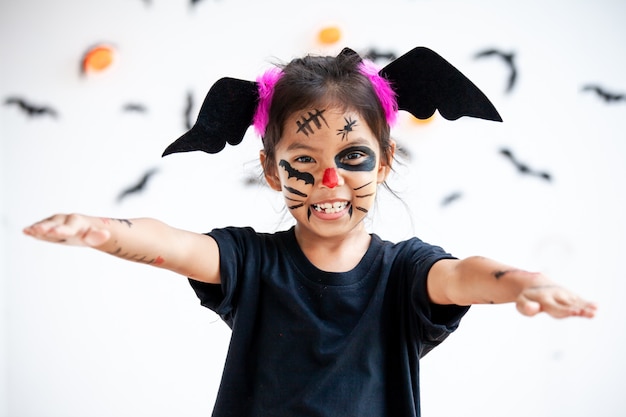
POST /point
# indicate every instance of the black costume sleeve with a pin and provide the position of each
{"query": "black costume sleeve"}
(222, 298)
(436, 322)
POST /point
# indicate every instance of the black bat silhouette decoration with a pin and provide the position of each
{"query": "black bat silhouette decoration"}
(135, 107)
(254, 180)
(188, 111)
(450, 198)
(604, 94)
(374, 55)
(30, 109)
(139, 186)
(523, 168)
(509, 60)
(403, 151)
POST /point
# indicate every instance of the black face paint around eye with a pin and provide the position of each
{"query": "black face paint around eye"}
(347, 128)
(294, 173)
(368, 164)
(304, 125)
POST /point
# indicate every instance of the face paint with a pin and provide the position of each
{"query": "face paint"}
(362, 186)
(327, 167)
(298, 203)
(366, 159)
(304, 125)
(294, 173)
(347, 128)
(330, 179)
(295, 206)
(363, 209)
(298, 175)
(294, 191)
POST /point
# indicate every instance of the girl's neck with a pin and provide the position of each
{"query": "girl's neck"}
(334, 254)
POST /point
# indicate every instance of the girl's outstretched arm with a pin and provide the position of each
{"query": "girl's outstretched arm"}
(478, 280)
(144, 240)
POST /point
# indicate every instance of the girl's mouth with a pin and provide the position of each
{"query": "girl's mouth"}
(330, 208)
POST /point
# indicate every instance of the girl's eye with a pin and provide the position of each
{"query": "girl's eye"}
(353, 158)
(357, 158)
(304, 159)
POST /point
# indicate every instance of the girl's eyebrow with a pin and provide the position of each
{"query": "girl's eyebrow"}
(300, 145)
(356, 142)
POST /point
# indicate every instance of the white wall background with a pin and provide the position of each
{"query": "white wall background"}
(83, 334)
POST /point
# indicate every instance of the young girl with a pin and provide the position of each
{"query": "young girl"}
(327, 319)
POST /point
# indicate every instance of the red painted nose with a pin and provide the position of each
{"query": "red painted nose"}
(330, 179)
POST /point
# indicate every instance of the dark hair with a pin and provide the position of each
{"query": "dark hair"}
(322, 81)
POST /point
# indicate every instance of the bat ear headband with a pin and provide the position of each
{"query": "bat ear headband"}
(419, 82)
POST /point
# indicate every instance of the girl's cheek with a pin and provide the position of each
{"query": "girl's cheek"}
(357, 177)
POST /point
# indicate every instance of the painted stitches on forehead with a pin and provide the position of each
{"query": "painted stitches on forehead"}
(305, 124)
(350, 124)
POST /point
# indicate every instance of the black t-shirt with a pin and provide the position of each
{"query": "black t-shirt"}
(309, 343)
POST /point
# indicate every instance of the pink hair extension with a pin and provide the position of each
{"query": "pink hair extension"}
(382, 87)
(265, 84)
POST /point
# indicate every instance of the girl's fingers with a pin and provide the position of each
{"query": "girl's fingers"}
(557, 302)
(588, 310)
(96, 237)
(69, 229)
(42, 230)
(528, 307)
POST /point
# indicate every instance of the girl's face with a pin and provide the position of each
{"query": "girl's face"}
(328, 167)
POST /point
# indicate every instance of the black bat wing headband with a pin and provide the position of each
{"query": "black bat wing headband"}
(421, 79)
(424, 81)
(225, 115)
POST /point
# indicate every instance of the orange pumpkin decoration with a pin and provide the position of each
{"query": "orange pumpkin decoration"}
(97, 59)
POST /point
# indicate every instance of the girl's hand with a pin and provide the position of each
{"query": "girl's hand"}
(555, 301)
(70, 229)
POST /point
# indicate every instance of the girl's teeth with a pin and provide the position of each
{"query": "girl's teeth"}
(329, 208)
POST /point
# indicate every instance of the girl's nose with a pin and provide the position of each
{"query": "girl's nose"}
(331, 179)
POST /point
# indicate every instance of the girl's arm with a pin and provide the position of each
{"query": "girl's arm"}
(144, 240)
(477, 280)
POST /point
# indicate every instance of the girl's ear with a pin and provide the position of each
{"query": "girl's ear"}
(270, 173)
(384, 166)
